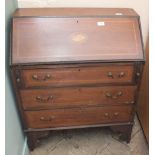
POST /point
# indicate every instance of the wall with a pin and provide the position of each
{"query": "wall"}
(141, 7)
(14, 139)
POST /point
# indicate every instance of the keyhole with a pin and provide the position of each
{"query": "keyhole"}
(77, 21)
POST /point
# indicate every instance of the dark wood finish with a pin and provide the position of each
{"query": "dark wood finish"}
(16, 86)
(124, 132)
(143, 100)
(78, 75)
(81, 96)
(78, 116)
(33, 138)
(76, 68)
(78, 127)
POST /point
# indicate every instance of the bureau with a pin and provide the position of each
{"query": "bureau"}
(76, 68)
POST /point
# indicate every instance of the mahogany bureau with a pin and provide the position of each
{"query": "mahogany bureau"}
(76, 68)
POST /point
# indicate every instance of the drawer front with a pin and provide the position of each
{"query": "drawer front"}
(78, 75)
(79, 96)
(78, 116)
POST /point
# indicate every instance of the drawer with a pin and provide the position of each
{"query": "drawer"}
(77, 96)
(62, 76)
(78, 116)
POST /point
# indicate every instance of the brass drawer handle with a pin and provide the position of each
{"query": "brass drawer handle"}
(109, 95)
(47, 118)
(110, 75)
(116, 113)
(121, 74)
(41, 99)
(129, 102)
(39, 78)
(106, 114)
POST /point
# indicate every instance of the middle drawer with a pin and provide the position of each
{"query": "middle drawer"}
(77, 96)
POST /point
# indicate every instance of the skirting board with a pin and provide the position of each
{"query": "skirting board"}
(25, 148)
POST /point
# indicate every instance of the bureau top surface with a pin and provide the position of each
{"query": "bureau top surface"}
(72, 12)
(75, 34)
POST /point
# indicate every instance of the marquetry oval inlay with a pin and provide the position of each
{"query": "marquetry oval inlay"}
(79, 37)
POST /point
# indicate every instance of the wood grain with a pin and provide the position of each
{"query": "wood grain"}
(75, 39)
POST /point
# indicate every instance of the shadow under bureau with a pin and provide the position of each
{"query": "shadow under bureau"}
(76, 68)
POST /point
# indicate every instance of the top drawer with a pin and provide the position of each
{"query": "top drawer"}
(78, 75)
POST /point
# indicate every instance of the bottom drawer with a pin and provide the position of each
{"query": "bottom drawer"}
(78, 116)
